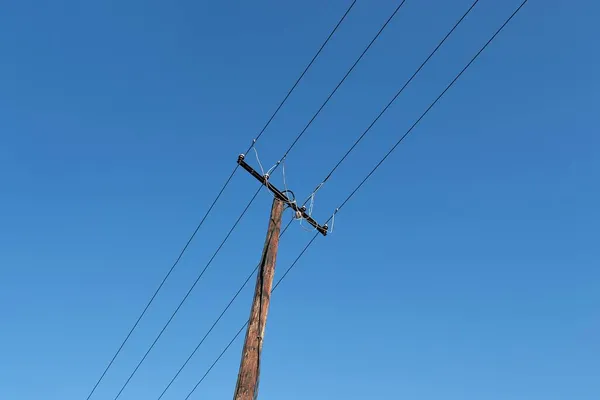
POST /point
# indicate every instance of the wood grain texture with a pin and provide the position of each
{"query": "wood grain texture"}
(249, 366)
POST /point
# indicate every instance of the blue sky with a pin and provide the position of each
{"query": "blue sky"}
(466, 268)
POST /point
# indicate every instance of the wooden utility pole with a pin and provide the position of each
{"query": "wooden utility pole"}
(250, 365)
(247, 382)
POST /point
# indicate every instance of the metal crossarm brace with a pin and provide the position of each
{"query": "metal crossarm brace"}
(282, 196)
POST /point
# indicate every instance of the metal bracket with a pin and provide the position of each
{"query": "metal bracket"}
(282, 196)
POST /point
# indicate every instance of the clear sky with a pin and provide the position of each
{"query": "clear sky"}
(466, 268)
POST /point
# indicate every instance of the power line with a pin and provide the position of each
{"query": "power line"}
(335, 89)
(216, 321)
(160, 286)
(294, 143)
(187, 295)
(227, 181)
(332, 93)
(431, 105)
(389, 104)
(380, 114)
(246, 323)
(254, 197)
(323, 105)
(358, 187)
(340, 83)
(302, 74)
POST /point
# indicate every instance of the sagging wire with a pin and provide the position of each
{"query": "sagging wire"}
(273, 167)
(330, 230)
(266, 175)
(283, 175)
(309, 212)
(262, 170)
(310, 200)
(297, 214)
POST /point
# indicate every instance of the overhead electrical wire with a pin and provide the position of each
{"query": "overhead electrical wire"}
(362, 183)
(389, 104)
(260, 187)
(235, 296)
(302, 74)
(431, 105)
(246, 323)
(334, 91)
(339, 84)
(255, 195)
(227, 181)
(185, 297)
(328, 176)
(378, 34)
